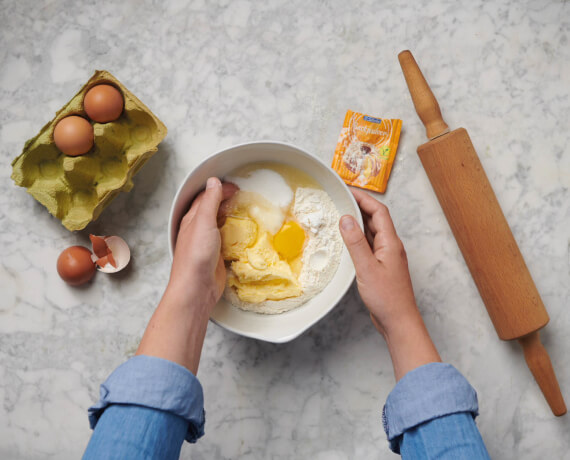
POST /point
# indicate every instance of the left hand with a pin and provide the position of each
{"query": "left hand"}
(198, 273)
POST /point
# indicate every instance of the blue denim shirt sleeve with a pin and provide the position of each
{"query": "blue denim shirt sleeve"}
(451, 437)
(127, 432)
(418, 411)
(154, 383)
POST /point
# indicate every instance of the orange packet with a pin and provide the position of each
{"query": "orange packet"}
(366, 150)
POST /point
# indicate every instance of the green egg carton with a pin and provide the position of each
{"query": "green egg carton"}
(77, 189)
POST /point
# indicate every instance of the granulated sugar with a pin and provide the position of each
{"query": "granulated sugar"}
(269, 184)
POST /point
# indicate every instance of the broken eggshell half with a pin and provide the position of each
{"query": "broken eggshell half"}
(110, 253)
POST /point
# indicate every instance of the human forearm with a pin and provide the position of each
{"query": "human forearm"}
(158, 391)
(385, 285)
(409, 344)
(177, 328)
(427, 391)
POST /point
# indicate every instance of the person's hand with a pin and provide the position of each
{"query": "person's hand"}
(178, 326)
(198, 270)
(381, 264)
(384, 284)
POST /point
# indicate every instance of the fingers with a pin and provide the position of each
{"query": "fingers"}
(369, 236)
(210, 202)
(357, 245)
(228, 190)
(378, 218)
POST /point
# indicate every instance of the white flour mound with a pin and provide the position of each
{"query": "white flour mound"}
(318, 216)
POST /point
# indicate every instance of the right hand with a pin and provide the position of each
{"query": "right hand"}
(381, 265)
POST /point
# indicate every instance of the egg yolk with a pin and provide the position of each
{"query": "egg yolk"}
(289, 240)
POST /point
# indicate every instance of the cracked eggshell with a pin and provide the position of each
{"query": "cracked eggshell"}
(120, 252)
(99, 246)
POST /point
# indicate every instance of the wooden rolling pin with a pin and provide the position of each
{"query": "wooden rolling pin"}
(483, 234)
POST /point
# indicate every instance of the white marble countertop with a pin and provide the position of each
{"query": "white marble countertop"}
(224, 72)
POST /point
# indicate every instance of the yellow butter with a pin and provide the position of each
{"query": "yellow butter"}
(237, 235)
(272, 290)
(260, 274)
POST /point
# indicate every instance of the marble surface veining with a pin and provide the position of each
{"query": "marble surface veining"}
(224, 72)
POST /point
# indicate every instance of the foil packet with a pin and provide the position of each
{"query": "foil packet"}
(366, 150)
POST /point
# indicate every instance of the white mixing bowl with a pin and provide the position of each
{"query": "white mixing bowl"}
(286, 326)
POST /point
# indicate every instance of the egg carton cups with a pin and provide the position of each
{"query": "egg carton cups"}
(77, 189)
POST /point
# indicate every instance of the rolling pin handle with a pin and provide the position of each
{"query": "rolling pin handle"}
(539, 364)
(424, 101)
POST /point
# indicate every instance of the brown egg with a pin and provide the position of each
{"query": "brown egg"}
(103, 103)
(73, 135)
(75, 265)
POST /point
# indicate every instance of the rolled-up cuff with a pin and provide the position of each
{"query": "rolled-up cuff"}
(158, 384)
(427, 392)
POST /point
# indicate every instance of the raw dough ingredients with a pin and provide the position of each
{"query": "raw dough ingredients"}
(281, 241)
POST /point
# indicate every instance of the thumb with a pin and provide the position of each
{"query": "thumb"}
(358, 247)
(210, 203)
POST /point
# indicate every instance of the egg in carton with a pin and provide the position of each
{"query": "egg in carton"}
(76, 189)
